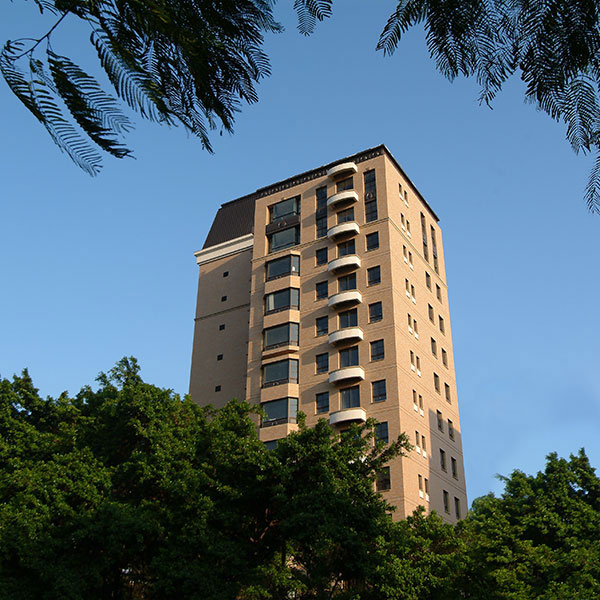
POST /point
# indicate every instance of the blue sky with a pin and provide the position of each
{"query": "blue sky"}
(97, 268)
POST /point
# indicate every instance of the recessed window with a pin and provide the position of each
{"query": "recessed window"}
(443, 460)
(282, 300)
(373, 241)
(349, 318)
(321, 257)
(379, 391)
(370, 196)
(447, 392)
(219, 357)
(441, 324)
(285, 334)
(438, 292)
(283, 410)
(434, 248)
(382, 433)
(271, 445)
(223, 298)
(346, 248)
(413, 294)
(440, 421)
(284, 238)
(450, 429)
(457, 507)
(424, 445)
(436, 383)
(383, 481)
(454, 467)
(321, 198)
(322, 402)
(375, 312)
(284, 209)
(374, 275)
(433, 347)
(286, 265)
(321, 213)
(446, 501)
(322, 325)
(345, 184)
(322, 362)
(217, 388)
(377, 350)
(424, 236)
(282, 371)
(428, 280)
(430, 313)
(221, 326)
(322, 289)
(321, 223)
(225, 273)
(347, 282)
(444, 358)
(346, 215)
(349, 357)
(350, 397)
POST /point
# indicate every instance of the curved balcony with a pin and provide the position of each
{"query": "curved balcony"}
(347, 168)
(344, 263)
(346, 374)
(342, 198)
(347, 229)
(349, 334)
(344, 299)
(347, 415)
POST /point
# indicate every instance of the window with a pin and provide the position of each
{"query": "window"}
(322, 362)
(424, 235)
(413, 294)
(321, 256)
(370, 196)
(346, 248)
(373, 241)
(381, 432)
(430, 313)
(221, 326)
(323, 402)
(349, 318)
(419, 366)
(410, 323)
(321, 221)
(450, 429)
(322, 324)
(282, 371)
(420, 486)
(350, 397)
(284, 238)
(322, 198)
(433, 347)
(321, 213)
(223, 298)
(454, 467)
(410, 260)
(447, 392)
(438, 292)
(322, 289)
(428, 280)
(347, 282)
(286, 265)
(217, 388)
(383, 481)
(379, 391)
(345, 216)
(444, 358)
(349, 357)
(225, 273)
(284, 209)
(418, 442)
(443, 460)
(441, 324)
(377, 350)
(446, 501)
(405, 253)
(407, 287)
(285, 334)
(283, 410)
(434, 249)
(412, 361)
(436, 383)
(416, 328)
(424, 445)
(374, 275)
(375, 312)
(440, 421)
(282, 300)
(457, 507)
(345, 184)
(219, 357)
(271, 445)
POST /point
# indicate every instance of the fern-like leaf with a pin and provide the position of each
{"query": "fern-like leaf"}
(311, 11)
(592, 190)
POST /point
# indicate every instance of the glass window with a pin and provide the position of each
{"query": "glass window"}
(374, 275)
(383, 481)
(379, 391)
(377, 350)
(350, 397)
(271, 445)
(346, 248)
(282, 299)
(457, 507)
(381, 432)
(345, 184)
(344, 216)
(348, 282)
(454, 467)
(349, 357)
(446, 501)
(285, 208)
(281, 335)
(375, 312)
(284, 239)
(279, 411)
(322, 198)
(371, 211)
(323, 402)
(373, 240)
(450, 429)
(370, 196)
(349, 318)
(440, 422)
(281, 371)
(322, 362)
(442, 460)
(322, 324)
(322, 289)
(321, 226)
(285, 265)
(321, 256)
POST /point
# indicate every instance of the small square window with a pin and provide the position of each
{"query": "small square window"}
(373, 241)
(346, 216)
(321, 256)
(322, 362)
(221, 326)
(383, 481)
(348, 318)
(381, 432)
(347, 282)
(223, 298)
(377, 350)
(322, 324)
(322, 289)
(379, 390)
(346, 248)
(225, 273)
(322, 402)
(217, 388)
(219, 357)
(349, 357)
(375, 312)
(374, 275)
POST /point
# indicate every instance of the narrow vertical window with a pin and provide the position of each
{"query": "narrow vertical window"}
(370, 196)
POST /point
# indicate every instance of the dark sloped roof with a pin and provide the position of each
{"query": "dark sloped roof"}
(234, 219)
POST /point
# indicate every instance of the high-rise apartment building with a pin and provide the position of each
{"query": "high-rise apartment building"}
(326, 293)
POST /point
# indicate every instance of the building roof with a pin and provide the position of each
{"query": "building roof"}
(236, 218)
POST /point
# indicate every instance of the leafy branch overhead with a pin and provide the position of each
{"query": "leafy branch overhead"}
(194, 63)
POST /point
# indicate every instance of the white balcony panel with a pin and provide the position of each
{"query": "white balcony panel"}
(345, 374)
(349, 262)
(343, 229)
(345, 298)
(346, 335)
(347, 168)
(344, 197)
(347, 416)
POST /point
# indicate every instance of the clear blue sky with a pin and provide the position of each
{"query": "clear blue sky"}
(95, 269)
